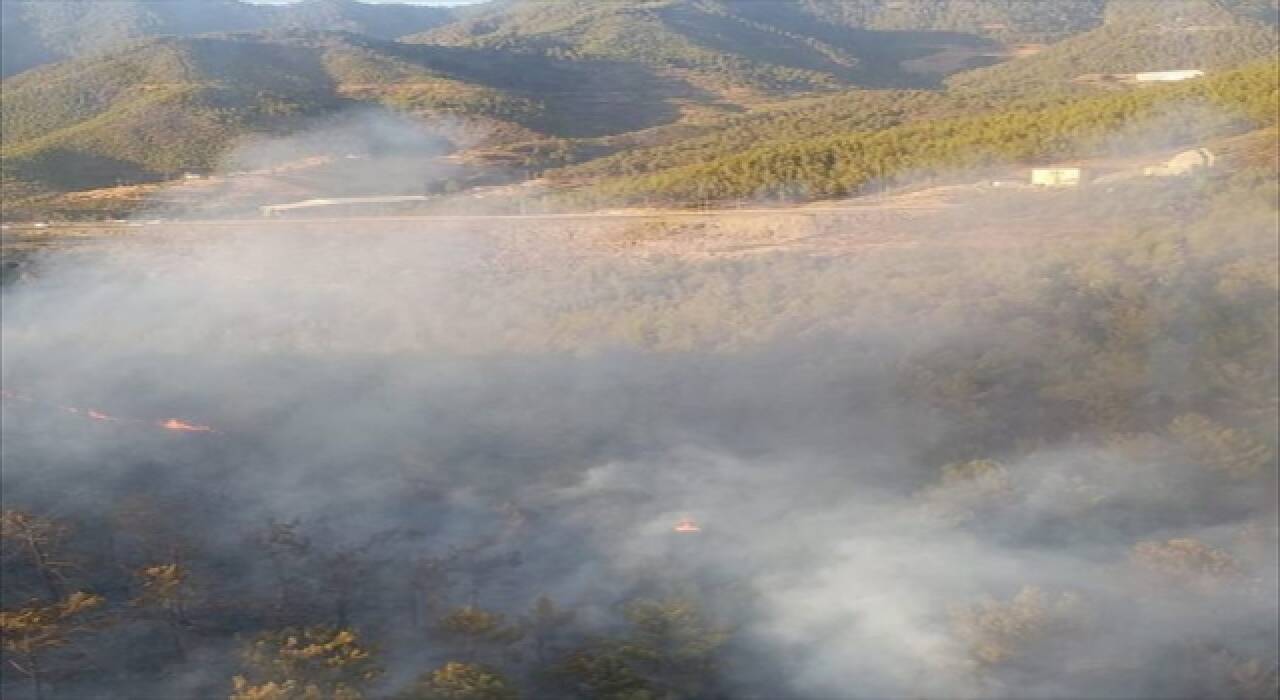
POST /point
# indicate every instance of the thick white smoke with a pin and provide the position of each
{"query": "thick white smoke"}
(365, 380)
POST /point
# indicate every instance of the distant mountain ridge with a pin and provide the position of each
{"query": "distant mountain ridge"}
(800, 41)
(594, 88)
(765, 45)
(36, 32)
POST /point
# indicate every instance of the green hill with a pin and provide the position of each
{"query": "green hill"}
(1004, 20)
(164, 106)
(792, 120)
(677, 100)
(840, 165)
(719, 44)
(782, 46)
(35, 32)
(1138, 37)
(152, 111)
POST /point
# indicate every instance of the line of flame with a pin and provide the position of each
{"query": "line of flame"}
(171, 424)
(181, 426)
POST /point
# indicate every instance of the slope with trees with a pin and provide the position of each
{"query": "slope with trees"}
(724, 46)
(1137, 37)
(638, 100)
(166, 106)
(838, 166)
(36, 32)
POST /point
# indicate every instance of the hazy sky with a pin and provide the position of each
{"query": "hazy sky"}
(403, 2)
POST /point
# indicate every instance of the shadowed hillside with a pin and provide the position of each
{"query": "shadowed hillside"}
(629, 98)
(1138, 37)
(164, 106)
(42, 31)
(799, 168)
(760, 46)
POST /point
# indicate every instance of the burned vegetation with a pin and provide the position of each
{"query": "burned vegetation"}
(314, 466)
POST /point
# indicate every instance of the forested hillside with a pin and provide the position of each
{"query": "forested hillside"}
(1007, 20)
(838, 166)
(42, 31)
(165, 106)
(601, 389)
(761, 46)
(1137, 37)
(635, 100)
(845, 112)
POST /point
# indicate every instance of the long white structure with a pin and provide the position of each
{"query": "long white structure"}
(274, 209)
(1168, 76)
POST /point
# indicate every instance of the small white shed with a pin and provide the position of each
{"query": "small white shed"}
(1057, 177)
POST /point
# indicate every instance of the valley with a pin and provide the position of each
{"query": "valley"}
(639, 350)
(603, 102)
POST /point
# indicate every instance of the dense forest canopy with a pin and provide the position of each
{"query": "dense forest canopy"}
(821, 167)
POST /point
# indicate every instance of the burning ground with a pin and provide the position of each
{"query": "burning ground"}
(1035, 470)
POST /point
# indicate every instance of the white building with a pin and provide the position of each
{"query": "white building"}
(1057, 177)
(1167, 76)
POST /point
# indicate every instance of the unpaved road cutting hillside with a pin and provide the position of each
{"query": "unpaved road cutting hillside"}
(965, 215)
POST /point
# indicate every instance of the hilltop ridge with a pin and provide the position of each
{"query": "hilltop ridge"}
(36, 32)
(610, 97)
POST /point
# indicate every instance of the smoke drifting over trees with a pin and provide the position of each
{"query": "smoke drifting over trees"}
(1043, 470)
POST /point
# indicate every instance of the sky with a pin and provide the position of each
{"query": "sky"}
(379, 2)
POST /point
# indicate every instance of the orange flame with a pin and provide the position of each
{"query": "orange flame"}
(180, 426)
(687, 525)
(171, 424)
